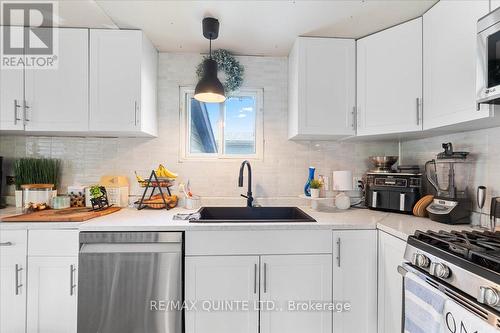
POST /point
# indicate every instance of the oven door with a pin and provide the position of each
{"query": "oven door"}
(488, 315)
(488, 59)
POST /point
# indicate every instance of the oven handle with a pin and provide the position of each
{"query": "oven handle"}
(466, 302)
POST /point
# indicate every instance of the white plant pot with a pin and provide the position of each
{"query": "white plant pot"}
(315, 193)
(19, 199)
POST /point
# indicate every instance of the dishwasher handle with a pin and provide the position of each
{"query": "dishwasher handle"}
(131, 248)
(130, 237)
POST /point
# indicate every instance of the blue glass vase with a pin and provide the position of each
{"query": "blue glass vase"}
(307, 187)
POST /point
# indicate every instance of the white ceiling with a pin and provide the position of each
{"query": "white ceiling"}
(246, 27)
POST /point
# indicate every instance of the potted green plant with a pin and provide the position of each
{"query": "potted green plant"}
(35, 171)
(316, 185)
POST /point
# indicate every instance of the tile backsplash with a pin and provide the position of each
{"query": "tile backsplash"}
(281, 173)
(484, 149)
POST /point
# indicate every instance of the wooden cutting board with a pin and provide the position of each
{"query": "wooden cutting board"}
(77, 214)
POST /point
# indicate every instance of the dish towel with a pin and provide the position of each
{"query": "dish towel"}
(187, 217)
(424, 306)
(458, 319)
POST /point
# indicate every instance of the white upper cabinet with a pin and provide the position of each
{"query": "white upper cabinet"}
(11, 98)
(389, 80)
(123, 76)
(57, 99)
(321, 95)
(355, 280)
(450, 38)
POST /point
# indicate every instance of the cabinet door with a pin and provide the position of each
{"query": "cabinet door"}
(389, 80)
(450, 42)
(390, 255)
(224, 278)
(323, 83)
(52, 295)
(300, 278)
(58, 98)
(13, 281)
(355, 280)
(11, 93)
(115, 80)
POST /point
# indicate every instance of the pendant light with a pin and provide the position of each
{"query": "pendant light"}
(209, 89)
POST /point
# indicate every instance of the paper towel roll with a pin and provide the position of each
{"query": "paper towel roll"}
(342, 180)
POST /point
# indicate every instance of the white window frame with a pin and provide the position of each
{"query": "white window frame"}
(184, 96)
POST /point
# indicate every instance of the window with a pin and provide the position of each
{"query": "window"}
(232, 129)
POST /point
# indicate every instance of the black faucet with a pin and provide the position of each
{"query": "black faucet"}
(240, 182)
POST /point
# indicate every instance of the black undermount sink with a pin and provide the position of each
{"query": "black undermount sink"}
(252, 215)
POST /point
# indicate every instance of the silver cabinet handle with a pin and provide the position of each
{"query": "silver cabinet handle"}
(6, 244)
(338, 252)
(354, 118)
(72, 284)
(18, 285)
(255, 279)
(16, 108)
(136, 111)
(418, 111)
(25, 108)
(265, 277)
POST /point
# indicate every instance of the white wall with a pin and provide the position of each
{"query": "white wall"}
(282, 172)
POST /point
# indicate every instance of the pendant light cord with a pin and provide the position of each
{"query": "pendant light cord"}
(210, 48)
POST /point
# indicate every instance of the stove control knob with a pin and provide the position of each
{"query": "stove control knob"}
(489, 296)
(420, 260)
(439, 270)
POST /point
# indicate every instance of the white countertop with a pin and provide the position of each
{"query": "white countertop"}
(129, 219)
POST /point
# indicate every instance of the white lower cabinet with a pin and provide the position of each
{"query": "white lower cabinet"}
(292, 278)
(13, 281)
(270, 279)
(355, 280)
(390, 252)
(219, 278)
(52, 303)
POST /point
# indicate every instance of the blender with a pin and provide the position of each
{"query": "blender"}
(449, 175)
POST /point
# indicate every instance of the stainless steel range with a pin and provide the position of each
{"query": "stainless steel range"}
(464, 265)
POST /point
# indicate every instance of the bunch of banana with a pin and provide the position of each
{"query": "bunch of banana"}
(163, 172)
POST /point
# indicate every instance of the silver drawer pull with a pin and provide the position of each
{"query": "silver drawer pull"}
(18, 272)
(6, 244)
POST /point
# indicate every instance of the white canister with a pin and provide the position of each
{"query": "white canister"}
(342, 201)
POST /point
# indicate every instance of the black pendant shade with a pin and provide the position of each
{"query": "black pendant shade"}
(209, 89)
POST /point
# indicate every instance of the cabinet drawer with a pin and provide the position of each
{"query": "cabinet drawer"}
(60, 243)
(13, 243)
(258, 242)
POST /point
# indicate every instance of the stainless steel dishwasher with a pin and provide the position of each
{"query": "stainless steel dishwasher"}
(130, 282)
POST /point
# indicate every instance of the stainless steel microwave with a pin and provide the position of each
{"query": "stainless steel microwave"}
(488, 59)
